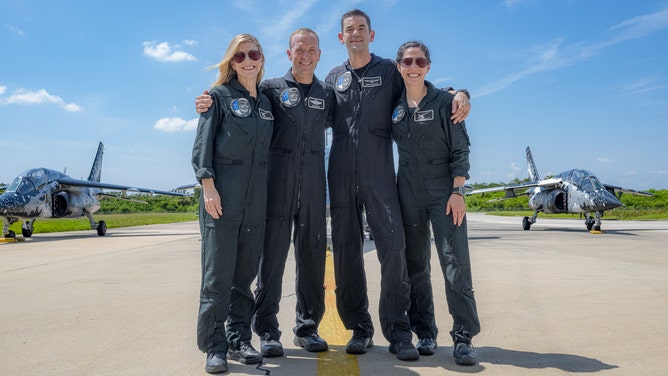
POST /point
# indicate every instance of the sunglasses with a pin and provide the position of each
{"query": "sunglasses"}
(240, 56)
(421, 62)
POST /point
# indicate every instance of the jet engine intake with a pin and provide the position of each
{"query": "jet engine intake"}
(551, 202)
(66, 204)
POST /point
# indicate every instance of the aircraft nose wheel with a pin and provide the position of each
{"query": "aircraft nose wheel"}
(10, 235)
(26, 232)
(589, 222)
(102, 228)
(526, 224)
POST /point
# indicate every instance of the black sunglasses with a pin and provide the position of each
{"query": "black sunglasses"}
(240, 56)
(420, 61)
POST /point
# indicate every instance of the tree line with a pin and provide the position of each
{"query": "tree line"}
(488, 202)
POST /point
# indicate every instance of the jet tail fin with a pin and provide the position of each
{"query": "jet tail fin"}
(533, 171)
(96, 170)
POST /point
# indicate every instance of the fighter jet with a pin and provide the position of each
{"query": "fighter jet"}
(45, 193)
(572, 191)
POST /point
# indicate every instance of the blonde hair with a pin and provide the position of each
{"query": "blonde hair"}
(225, 71)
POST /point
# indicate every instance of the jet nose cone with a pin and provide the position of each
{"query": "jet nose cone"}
(9, 204)
(608, 201)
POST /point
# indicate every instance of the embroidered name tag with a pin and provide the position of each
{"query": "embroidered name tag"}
(316, 103)
(372, 81)
(424, 115)
(266, 115)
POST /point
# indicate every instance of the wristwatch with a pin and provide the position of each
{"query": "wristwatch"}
(459, 190)
(466, 92)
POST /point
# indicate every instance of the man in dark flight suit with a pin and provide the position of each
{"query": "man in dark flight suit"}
(361, 176)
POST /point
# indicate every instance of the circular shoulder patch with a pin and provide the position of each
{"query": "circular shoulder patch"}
(240, 107)
(290, 97)
(344, 81)
(398, 114)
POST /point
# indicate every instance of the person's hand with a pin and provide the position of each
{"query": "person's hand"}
(203, 102)
(457, 207)
(461, 106)
(211, 199)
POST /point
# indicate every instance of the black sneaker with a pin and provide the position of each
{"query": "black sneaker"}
(359, 344)
(216, 363)
(464, 354)
(312, 343)
(427, 346)
(245, 354)
(270, 348)
(404, 350)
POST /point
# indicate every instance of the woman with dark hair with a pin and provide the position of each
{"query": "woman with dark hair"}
(433, 167)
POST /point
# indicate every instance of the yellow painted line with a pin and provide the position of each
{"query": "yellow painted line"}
(11, 240)
(336, 361)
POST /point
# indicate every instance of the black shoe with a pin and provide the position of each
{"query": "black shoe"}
(359, 344)
(312, 343)
(464, 354)
(404, 350)
(245, 354)
(427, 346)
(216, 363)
(270, 348)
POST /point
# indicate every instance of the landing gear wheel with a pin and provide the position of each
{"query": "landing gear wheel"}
(26, 232)
(526, 225)
(10, 235)
(589, 222)
(102, 228)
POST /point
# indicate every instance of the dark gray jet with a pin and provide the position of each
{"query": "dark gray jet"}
(45, 193)
(572, 191)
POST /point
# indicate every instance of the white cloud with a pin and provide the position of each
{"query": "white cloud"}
(176, 124)
(163, 52)
(26, 97)
(555, 54)
(14, 30)
(190, 42)
(3, 89)
(604, 160)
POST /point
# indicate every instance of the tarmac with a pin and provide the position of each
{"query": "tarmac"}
(555, 300)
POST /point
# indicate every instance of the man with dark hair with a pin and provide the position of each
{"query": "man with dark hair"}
(361, 177)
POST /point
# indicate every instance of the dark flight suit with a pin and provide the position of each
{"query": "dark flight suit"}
(361, 175)
(231, 147)
(432, 151)
(296, 181)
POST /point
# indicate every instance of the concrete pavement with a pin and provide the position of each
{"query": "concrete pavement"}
(555, 300)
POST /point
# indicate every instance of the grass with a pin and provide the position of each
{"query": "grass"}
(619, 214)
(44, 225)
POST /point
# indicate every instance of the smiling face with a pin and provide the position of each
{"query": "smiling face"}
(413, 74)
(248, 69)
(356, 34)
(304, 54)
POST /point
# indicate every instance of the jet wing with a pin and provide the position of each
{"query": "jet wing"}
(91, 184)
(511, 190)
(617, 191)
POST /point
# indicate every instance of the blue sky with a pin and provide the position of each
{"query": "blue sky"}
(583, 82)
